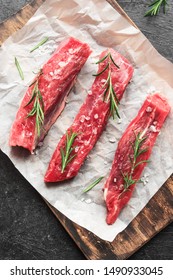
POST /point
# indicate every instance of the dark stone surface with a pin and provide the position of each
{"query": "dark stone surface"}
(8, 7)
(28, 229)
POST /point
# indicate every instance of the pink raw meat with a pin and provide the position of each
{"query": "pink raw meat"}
(147, 123)
(55, 82)
(91, 119)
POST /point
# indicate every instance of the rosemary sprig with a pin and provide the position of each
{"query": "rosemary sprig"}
(137, 151)
(38, 107)
(19, 68)
(155, 7)
(109, 92)
(96, 182)
(39, 44)
(66, 157)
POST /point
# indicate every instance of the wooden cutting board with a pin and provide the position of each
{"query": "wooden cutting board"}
(157, 214)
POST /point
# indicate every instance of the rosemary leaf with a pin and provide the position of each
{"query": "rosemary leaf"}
(105, 92)
(66, 157)
(32, 97)
(155, 7)
(142, 151)
(19, 68)
(114, 94)
(38, 107)
(114, 61)
(114, 107)
(62, 158)
(141, 162)
(101, 72)
(137, 151)
(102, 59)
(93, 185)
(109, 94)
(39, 44)
(39, 73)
(70, 159)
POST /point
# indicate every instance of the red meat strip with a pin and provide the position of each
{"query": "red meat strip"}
(146, 126)
(55, 81)
(92, 117)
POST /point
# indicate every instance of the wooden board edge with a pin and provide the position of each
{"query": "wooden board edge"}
(133, 237)
(15, 23)
(18, 20)
(116, 6)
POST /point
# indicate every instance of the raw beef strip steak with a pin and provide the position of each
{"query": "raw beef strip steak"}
(132, 154)
(46, 96)
(114, 74)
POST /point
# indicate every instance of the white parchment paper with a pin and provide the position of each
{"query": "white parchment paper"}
(98, 24)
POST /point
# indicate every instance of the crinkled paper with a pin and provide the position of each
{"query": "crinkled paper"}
(98, 24)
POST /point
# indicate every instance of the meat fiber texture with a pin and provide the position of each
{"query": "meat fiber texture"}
(147, 124)
(91, 118)
(55, 82)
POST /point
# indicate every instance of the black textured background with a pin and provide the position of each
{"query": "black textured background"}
(28, 229)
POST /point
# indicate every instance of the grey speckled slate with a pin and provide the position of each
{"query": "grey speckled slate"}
(8, 7)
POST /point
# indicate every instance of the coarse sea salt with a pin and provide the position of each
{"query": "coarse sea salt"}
(151, 89)
(153, 128)
(71, 51)
(62, 63)
(56, 72)
(82, 119)
(144, 181)
(76, 149)
(112, 140)
(28, 134)
(87, 118)
(95, 131)
(88, 201)
(149, 109)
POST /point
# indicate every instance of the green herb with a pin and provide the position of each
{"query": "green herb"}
(39, 73)
(155, 7)
(38, 107)
(109, 92)
(93, 184)
(137, 151)
(19, 68)
(39, 44)
(66, 153)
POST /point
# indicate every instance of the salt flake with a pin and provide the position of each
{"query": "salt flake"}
(62, 63)
(153, 128)
(112, 140)
(149, 109)
(87, 118)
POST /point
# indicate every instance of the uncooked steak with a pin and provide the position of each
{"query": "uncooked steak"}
(132, 154)
(114, 74)
(46, 96)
